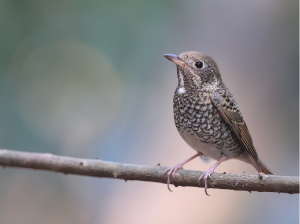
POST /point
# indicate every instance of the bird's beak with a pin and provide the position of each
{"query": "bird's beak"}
(175, 59)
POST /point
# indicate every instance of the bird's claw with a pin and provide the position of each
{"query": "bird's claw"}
(172, 171)
(205, 175)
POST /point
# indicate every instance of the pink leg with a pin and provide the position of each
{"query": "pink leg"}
(172, 170)
(209, 172)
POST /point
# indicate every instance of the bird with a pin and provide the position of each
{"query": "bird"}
(207, 116)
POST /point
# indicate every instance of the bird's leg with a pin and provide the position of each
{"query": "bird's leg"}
(172, 170)
(210, 171)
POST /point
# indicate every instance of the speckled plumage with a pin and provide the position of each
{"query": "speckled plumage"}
(196, 114)
(207, 116)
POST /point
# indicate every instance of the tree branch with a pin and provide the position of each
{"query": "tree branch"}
(99, 168)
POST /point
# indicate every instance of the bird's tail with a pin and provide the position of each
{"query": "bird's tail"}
(263, 168)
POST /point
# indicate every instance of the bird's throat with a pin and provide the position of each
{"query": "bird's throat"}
(181, 88)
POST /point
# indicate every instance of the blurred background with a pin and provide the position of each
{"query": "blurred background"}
(88, 79)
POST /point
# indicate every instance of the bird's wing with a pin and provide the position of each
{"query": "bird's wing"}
(230, 112)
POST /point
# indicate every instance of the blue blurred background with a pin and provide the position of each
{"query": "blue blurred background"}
(88, 79)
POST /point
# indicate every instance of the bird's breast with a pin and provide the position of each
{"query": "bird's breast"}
(201, 126)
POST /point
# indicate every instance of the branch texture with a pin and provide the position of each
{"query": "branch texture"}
(99, 168)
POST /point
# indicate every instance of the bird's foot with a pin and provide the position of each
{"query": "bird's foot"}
(205, 175)
(172, 171)
(208, 172)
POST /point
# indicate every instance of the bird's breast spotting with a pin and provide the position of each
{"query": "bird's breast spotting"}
(201, 126)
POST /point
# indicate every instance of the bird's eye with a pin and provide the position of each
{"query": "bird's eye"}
(199, 64)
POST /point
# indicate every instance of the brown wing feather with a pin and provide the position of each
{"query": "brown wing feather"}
(230, 112)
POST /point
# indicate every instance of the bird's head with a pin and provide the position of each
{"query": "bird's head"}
(195, 70)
